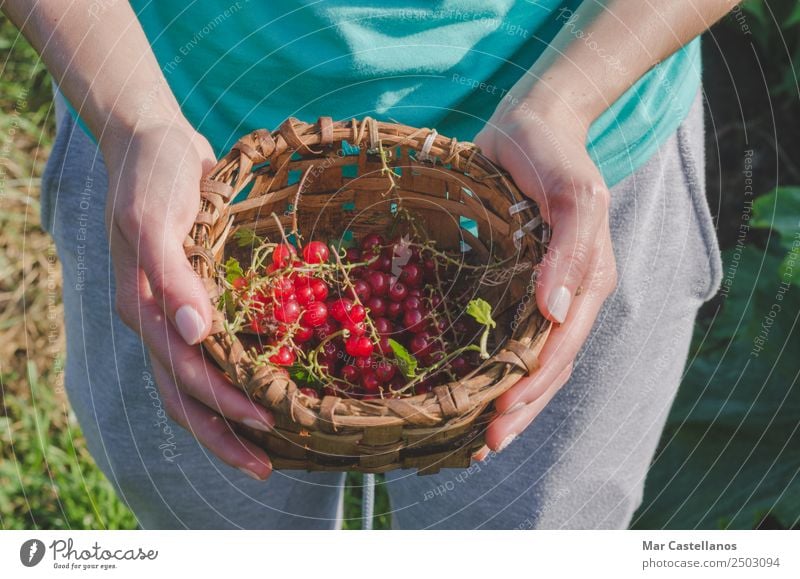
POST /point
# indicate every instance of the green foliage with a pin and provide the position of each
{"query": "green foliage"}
(780, 211)
(481, 310)
(47, 477)
(246, 237)
(406, 361)
(730, 454)
(354, 485)
(775, 30)
(233, 270)
(24, 83)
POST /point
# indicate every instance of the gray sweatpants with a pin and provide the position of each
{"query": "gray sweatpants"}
(581, 464)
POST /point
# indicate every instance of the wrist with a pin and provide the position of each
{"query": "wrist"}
(546, 112)
(120, 122)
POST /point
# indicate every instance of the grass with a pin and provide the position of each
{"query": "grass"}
(48, 479)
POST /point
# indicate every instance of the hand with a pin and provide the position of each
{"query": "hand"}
(544, 151)
(154, 197)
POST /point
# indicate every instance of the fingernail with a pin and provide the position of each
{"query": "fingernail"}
(514, 407)
(190, 324)
(558, 303)
(249, 473)
(506, 441)
(257, 424)
(480, 456)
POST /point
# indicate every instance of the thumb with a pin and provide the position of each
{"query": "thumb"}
(576, 216)
(172, 280)
(178, 288)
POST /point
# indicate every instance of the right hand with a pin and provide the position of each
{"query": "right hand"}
(153, 199)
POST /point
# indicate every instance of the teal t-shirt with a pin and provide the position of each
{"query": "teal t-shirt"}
(239, 65)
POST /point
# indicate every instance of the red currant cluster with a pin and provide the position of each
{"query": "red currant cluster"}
(368, 323)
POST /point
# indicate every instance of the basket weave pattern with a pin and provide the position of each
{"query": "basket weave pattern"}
(438, 180)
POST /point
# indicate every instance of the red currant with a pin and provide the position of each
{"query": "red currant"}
(394, 310)
(433, 357)
(384, 346)
(353, 254)
(358, 346)
(340, 309)
(303, 335)
(379, 282)
(360, 290)
(459, 366)
(287, 311)
(310, 392)
(330, 351)
(320, 289)
(383, 326)
(414, 321)
(283, 357)
(326, 329)
(305, 295)
(377, 306)
(423, 387)
(363, 362)
(420, 344)
(370, 382)
(382, 263)
(258, 326)
(355, 328)
(411, 274)
(357, 314)
(350, 374)
(315, 315)
(372, 243)
(398, 291)
(397, 383)
(315, 252)
(282, 287)
(385, 371)
(283, 255)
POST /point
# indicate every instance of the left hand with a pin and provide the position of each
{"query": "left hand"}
(543, 147)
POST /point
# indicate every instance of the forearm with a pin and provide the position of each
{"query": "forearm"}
(604, 47)
(102, 62)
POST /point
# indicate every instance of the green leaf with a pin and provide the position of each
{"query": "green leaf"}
(790, 269)
(730, 452)
(756, 8)
(227, 304)
(300, 374)
(406, 361)
(794, 18)
(245, 237)
(233, 270)
(779, 210)
(482, 312)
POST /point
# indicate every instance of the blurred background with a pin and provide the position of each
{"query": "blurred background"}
(730, 455)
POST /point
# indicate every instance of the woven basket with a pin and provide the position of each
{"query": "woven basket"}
(329, 177)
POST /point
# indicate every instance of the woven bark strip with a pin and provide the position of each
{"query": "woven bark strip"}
(351, 176)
